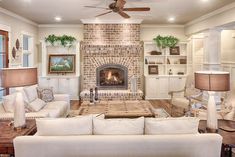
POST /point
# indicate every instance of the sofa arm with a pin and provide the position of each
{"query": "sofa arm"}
(62, 97)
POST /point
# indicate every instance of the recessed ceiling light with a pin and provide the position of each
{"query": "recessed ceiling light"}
(171, 19)
(27, 1)
(58, 18)
(205, 0)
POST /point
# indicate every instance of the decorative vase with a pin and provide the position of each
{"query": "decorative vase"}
(96, 94)
(91, 96)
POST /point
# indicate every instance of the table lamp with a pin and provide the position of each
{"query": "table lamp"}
(18, 77)
(212, 81)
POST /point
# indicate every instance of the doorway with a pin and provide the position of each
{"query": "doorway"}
(4, 60)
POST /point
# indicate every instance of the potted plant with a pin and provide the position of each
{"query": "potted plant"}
(166, 41)
(65, 40)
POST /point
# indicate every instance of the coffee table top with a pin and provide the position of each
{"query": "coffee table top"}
(118, 109)
(228, 136)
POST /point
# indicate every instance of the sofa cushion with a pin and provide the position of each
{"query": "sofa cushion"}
(118, 126)
(36, 105)
(31, 93)
(183, 125)
(65, 126)
(46, 94)
(56, 108)
(9, 102)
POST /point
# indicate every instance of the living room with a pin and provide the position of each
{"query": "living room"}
(153, 77)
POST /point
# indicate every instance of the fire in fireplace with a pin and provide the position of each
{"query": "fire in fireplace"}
(111, 76)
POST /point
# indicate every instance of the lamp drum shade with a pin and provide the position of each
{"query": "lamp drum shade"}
(18, 77)
(212, 80)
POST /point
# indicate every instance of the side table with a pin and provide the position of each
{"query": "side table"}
(8, 134)
(227, 134)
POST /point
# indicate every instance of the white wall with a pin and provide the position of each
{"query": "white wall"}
(72, 30)
(148, 32)
(18, 26)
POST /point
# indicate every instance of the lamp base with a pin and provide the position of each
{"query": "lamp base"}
(212, 122)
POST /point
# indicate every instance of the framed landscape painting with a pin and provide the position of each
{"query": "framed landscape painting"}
(61, 63)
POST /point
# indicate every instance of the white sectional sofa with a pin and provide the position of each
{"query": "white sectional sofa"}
(117, 138)
(57, 108)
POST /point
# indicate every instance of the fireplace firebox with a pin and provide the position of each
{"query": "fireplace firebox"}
(112, 76)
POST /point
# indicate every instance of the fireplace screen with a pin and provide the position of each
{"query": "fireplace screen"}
(112, 76)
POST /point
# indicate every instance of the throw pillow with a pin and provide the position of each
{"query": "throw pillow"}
(9, 102)
(183, 125)
(118, 126)
(36, 105)
(30, 93)
(46, 94)
(64, 126)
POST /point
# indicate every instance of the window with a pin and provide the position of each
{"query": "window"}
(27, 51)
(3, 56)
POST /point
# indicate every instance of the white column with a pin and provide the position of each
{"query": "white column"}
(212, 55)
(212, 49)
(44, 58)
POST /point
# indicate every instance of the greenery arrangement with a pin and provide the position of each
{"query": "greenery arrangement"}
(166, 41)
(65, 40)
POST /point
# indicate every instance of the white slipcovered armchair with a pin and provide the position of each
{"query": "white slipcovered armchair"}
(181, 101)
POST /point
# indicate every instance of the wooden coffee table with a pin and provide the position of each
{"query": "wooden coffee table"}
(117, 109)
(228, 135)
(7, 134)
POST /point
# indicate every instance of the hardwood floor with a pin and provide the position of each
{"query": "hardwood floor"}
(161, 104)
(75, 104)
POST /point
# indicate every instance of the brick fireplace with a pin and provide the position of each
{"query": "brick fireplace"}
(111, 56)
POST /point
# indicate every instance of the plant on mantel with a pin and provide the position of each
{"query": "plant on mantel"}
(166, 41)
(65, 40)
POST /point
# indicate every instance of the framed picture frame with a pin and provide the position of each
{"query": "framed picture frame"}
(175, 50)
(61, 63)
(153, 69)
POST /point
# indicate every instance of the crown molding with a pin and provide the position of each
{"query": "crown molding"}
(21, 18)
(5, 27)
(161, 25)
(102, 21)
(60, 25)
(211, 14)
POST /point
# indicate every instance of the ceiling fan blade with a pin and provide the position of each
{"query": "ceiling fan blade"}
(126, 16)
(137, 9)
(97, 7)
(103, 14)
(120, 4)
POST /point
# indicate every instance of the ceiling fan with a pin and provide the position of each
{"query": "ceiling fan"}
(118, 7)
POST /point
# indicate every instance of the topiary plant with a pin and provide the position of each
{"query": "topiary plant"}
(166, 41)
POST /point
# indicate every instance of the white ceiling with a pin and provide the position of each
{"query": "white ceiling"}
(71, 11)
